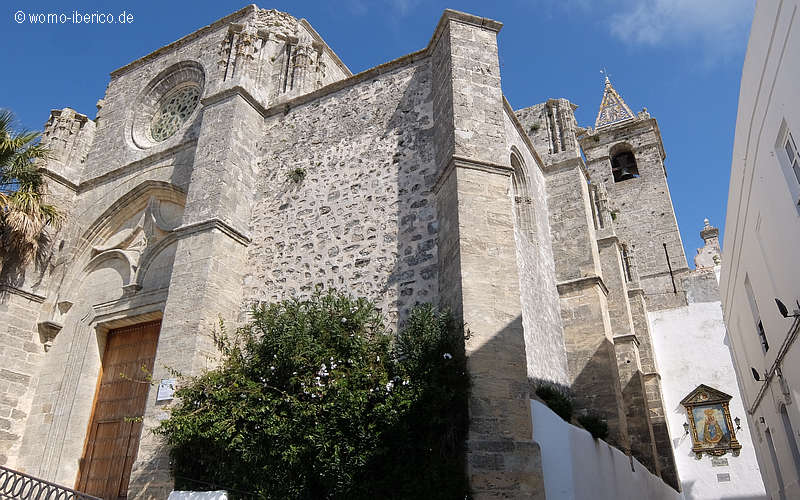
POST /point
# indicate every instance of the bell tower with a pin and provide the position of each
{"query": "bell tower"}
(625, 152)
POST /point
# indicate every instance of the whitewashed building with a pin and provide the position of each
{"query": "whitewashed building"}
(762, 239)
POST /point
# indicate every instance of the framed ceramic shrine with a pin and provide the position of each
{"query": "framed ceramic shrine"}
(710, 423)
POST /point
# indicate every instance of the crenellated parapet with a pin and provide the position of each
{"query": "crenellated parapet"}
(552, 127)
(69, 135)
(277, 57)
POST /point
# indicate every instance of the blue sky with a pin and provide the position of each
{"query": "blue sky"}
(681, 59)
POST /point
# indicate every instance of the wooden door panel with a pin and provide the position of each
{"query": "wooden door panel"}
(113, 438)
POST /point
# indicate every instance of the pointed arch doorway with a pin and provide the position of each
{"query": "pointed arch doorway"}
(120, 400)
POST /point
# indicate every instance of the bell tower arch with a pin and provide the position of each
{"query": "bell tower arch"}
(625, 152)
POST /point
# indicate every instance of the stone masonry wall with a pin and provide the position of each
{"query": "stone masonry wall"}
(20, 355)
(644, 216)
(363, 218)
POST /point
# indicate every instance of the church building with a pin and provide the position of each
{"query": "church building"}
(245, 163)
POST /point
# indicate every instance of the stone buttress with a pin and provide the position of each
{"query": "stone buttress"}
(624, 152)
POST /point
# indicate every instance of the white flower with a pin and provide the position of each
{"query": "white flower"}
(405, 382)
(447, 355)
(377, 358)
(389, 386)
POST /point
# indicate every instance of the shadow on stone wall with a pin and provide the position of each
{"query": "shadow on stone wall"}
(414, 276)
(591, 392)
(639, 434)
(30, 275)
(594, 392)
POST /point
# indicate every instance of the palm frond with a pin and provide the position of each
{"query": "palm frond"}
(23, 214)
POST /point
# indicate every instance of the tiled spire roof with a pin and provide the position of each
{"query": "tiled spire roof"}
(612, 108)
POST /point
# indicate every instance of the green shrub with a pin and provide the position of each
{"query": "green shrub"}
(556, 399)
(317, 399)
(297, 175)
(595, 424)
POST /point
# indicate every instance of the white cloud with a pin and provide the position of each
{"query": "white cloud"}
(399, 8)
(720, 25)
(403, 7)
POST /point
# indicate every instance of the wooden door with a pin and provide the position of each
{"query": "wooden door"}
(116, 424)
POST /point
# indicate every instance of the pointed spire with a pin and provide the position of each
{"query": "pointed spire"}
(612, 108)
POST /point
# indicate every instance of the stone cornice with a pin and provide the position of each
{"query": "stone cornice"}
(468, 163)
(638, 290)
(612, 131)
(678, 273)
(567, 164)
(581, 283)
(34, 297)
(59, 179)
(607, 237)
(141, 162)
(236, 90)
(211, 224)
(453, 15)
(628, 337)
(606, 157)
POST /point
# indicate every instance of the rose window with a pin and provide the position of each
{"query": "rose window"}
(173, 111)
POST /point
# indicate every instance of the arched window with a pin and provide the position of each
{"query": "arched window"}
(522, 199)
(623, 163)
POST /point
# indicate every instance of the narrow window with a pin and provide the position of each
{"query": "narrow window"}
(762, 335)
(791, 153)
(626, 263)
(789, 159)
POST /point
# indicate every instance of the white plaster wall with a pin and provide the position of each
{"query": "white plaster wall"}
(578, 467)
(762, 233)
(691, 348)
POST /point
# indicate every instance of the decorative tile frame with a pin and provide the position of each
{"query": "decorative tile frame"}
(710, 423)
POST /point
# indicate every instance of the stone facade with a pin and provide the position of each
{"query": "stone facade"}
(414, 181)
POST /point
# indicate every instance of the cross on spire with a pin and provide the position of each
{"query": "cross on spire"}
(613, 109)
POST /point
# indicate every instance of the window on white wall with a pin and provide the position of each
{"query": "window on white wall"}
(789, 158)
(762, 335)
(791, 154)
